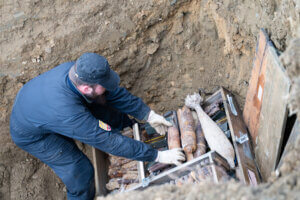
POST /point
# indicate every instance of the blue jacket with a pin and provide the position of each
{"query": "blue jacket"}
(49, 104)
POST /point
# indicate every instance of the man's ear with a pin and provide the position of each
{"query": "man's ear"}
(85, 89)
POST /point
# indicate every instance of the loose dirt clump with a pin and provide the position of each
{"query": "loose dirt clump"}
(162, 50)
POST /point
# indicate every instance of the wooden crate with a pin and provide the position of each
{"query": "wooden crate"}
(211, 161)
(240, 137)
(246, 165)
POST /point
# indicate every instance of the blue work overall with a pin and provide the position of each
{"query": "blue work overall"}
(49, 112)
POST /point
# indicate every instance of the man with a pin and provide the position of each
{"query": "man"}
(82, 100)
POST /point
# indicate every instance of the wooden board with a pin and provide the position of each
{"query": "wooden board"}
(256, 87)
(140, 164)
(101, 163)
(243, 151)
(291, 141)
(273, 113)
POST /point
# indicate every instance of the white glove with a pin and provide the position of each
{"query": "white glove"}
(158, 122)
(173, 156)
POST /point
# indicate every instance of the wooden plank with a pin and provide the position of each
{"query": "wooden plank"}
(101, 164)
(273, 114)
(291, 141)
(256, 87)
(140, 164)
(243, 150)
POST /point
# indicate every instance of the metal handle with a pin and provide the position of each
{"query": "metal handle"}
(242, 139)
(231, 104)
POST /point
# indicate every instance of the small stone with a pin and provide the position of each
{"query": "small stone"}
(52, 44)
(172, 95)
(133, 50)
(33, 60)
(277, 173)
(48, 50)
(24, 62)
(35, 176)
(169, 57)
(19, 15)
(201, 69)
(161, 108)
(152, 48)
(188, 46)
(107, 22)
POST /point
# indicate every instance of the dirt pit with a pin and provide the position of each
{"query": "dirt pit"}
(162, 50)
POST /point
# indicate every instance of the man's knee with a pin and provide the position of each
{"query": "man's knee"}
(80, 179)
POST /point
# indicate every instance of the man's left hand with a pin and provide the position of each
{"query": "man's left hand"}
(158, 122)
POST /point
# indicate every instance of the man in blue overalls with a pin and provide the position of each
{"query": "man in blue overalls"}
(82, 100)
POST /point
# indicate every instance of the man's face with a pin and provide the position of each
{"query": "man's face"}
(93, 91)
(98, 90)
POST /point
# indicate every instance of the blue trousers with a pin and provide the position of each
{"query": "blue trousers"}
(66, 160)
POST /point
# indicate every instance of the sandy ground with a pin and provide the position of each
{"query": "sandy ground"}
(161, 49)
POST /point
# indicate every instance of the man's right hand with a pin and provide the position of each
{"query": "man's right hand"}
(173, 156)
(158, 122)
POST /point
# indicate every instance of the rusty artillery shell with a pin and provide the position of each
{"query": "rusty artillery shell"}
(158, 166)
(173, 138)
(188, 135)
(127, 181)
(200, 139)
(117, 162)
(116, 173)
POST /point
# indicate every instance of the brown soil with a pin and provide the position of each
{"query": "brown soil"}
(162, 50)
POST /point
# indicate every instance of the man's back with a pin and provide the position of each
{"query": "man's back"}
(44, 100)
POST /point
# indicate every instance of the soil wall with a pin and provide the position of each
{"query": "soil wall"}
(162, 50)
